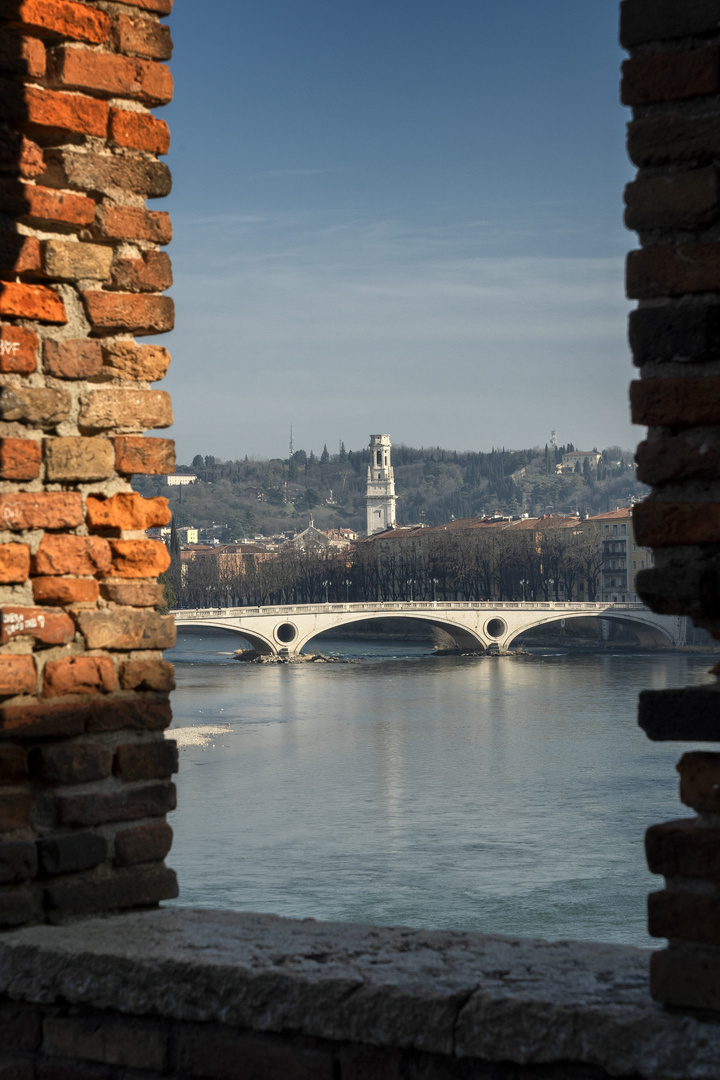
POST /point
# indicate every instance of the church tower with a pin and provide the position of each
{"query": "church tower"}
(380, 486)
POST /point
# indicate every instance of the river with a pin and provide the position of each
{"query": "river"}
(506, 795)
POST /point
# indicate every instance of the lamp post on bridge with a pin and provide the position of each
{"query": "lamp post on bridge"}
(410, 582)
(435, 583)
(523, 583)
(326, 584)
(347, 583)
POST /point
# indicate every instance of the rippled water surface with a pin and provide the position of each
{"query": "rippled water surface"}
(507, 795)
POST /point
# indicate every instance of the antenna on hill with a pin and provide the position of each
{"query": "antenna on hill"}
(291, 442)
(553, 439)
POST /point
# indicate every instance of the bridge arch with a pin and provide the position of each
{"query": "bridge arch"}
(463, 636)
(261, 643)
(648, 632)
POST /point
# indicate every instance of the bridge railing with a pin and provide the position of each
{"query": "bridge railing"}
(387, 606)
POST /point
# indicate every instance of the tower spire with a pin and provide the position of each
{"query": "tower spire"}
(380, 498)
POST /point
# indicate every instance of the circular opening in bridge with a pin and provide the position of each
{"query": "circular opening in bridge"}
(496, 627)
(286, 633)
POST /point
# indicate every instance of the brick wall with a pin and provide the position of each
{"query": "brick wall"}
(672, 83)
(84, 766)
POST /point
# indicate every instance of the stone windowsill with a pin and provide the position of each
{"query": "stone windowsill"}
(447, 992)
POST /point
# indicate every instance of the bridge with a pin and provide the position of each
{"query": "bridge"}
(283, 630)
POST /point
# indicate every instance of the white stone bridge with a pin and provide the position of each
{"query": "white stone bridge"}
(283, 630)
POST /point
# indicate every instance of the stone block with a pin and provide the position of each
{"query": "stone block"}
(18, 861)
(158, 675)
(13, 765)
(138, 36)
(675, 402)
(644, 21)
(139, 409)
(133, 361)
(144, 455)
(73, 457)
(126, 629)
(106, 174)
(80, 359)
(666, 524)
(146, 760)
(673, 139)
(683, 200)
(40, 405)
(137, 886)
(150, 273)
(68, 261)
(700, 781)
(133, 593)
(72, 762)
(41, 510)
(127, 804)
(110, 1040)
(690, 714)
(681, 849)
(69, 854)
(143, 843)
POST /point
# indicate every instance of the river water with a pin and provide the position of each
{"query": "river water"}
(506, 795)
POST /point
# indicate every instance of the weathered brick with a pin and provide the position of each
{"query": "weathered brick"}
(14, 563)
(689, 916)
(39, 720)
(15, 810)
(36, 205)
(132, 593)
(41, 405)
(127, 510)
(132, 887)
(151, 273)
(79, 675)
(18, 675)
(139, 558)
(19, 254)
(675, 402)
(41, 510)
(144, 455)
(74, 457)
(73, 359)
(137, 313)
(690, 714)
(133, 361)
(64, 18)
(18, 350)
(148, 675)
(61, 590)
(68, 854)
(672, 271)
(140, 713)
(69, 261)
(138, 131)
(107, 409)
(700, 781)
(681, 849)
(127, 804)
(670, 76)
(130, 223)
(127, 628)
(20, 55)
(116, 1040)
(143, 843)
(662, 461)
(20, 155)
(77, 555)
(643, 21)
(43, 626)
(18, 861)
(665, 524)
(13, 1068)
(105, 173)
(19, 904)
(112, 76)
(685, 976)
(20, 459)
(54, 113)
(681, 590)
(72, 763)
(137, 36)
(20, 1027)
(13, 765)
(146, 760)
(675, 138)
(162, 7)
(21, 301)
(684, 200)
(214, 1051)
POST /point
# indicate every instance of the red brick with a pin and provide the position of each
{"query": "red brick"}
(21, 55)
(133, 593)
(133, 361)
(13, 765)
(43, 406)
(41, 510)
(150, 800)
(139, 713)
(688, 977)
(14, 563)
(59, 590)
(684, 200)
(158, 675)
(681, 849)
(144, 456)
(14, 811)
(39, 720)
(52, 111)
(662, 524)
(661, 461)
(78, 359)
(162, 7)
(675, 402)
(154, 760)
(139, 886)
(216, 1050)
(115, 1040)
(20, 1026)
(139, 131)
(18, 861)
(77, 555)
(43, 626)
(700, 781)
(151, 273)
(37, 205)
(142, 37)
(69, 853)
(19, 254)
(72, 763)
(113, 408)
(131, 223)
(112, 76)
(20, 459)
(18, 675)
(141, 558)
(670, 76)
(18, 350)
(127, 510)
(21, 301)
(117, 312)
(74, 457)
(126, 629)
(144, 843)
(79, 675)
(691, 917)
(19, 155)
(63, 18)
(672, 271)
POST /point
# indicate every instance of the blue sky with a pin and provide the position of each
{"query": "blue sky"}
(401, 217)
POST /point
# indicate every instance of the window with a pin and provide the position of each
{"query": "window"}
(642, 564)
(634, 547)
(634, 564)
(623, 529)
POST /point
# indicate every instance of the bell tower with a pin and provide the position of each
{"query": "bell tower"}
(380, 486)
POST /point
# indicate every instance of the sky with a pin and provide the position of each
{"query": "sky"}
(400, 216)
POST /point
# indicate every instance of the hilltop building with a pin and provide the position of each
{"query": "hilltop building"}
(380, 499)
